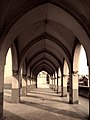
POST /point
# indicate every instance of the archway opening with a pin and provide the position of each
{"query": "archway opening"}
(8, 77)
(43, 80)
(65, 78)
(83, 74)
(83, 68)
(80, 73)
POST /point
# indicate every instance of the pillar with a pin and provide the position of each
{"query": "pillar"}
(15, 87)
(24, 84)
(62, 84)
(59, 84)
(1, 90)
(50, 83)
(34, 83)
(57, 81)
(28, 84)
(65, 78)
(55, 84)
(73, 96)
(89, 92)
(31, 83)
(75, 87)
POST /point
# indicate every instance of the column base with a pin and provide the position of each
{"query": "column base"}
(15, 96)
(63, 96)
(74, 102)
(75, 96)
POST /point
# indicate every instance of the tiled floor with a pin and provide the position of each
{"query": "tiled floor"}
(45, 104)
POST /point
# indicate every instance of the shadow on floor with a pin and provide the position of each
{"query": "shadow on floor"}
(55, 95)
(54, 100)
(51, 109)
(42, 90)
(10, 116)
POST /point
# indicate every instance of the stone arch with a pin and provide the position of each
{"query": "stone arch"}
(8, 72)
(75, 72)
(72, 25)
(43, 65)
(76, 57)
(52, 40)
(43, 61)
(65, 77)
(45, 68)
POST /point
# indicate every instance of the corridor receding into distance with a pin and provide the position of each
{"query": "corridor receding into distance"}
(43, 103)
(44, 60)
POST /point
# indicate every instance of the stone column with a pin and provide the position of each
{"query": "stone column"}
(15, 87)
(55, 81)
(73, 94)
(24, 84)
(55, 84)
(28, 84)
(65, 78)
(31, 86)
(75, 87)
(50, 82)
(89, 92)
(1, 90)
(34, 83)
(59, 84)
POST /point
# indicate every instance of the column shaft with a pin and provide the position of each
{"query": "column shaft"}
(59, 84)
(73, 89)
(24, 84)
(1, 90)
(28, 84)
(15, 87)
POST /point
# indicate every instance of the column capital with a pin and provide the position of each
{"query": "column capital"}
(24, 75)
(15, 72)
(28, 77)
(64, 75)
(59, 76)
(31, 77)
(75, 72)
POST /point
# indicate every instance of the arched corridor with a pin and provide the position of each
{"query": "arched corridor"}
(45, 38)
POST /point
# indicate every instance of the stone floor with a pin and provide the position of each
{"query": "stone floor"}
(45, 104)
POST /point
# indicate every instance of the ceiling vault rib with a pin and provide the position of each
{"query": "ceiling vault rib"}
(45, 36)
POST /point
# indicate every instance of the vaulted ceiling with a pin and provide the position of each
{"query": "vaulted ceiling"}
(44, 35)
